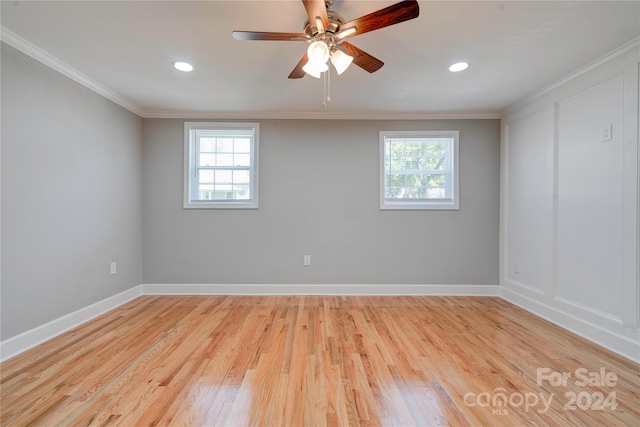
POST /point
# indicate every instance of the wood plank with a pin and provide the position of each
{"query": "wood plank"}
(316, 361)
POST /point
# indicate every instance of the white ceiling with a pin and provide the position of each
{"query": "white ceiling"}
(514, 48)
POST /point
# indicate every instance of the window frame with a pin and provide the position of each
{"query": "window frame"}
(422, 204)
(190, 168)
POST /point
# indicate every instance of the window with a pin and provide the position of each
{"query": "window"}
(419, 170)
(221, 165)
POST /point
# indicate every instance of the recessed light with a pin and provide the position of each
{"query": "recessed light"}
(458, 66)
(183, 66)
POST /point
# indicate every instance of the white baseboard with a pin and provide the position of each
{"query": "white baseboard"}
(372, 290)
(607, 338)
(20, 343)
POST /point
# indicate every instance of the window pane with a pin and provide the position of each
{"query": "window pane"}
(421, 193)
(436, 163)
(415, 149)
(205, 176)
(207, 145)
(415, 193)
(242, 145)
(207, 160)
(436, 180)
(435, 193)
(225, 159)
(242, 192)
(417, 180)
(225, 145)
(224, 190)
(422, 164)
(436, 149)
(396, 179)
(205, 192)
(223, 176)
(392, 193)
(242, 160)
(397, 163)
(241, 177)
(412, 163)
(397, 148)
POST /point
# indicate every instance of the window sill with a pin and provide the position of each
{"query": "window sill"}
(226, 206)
(399, 206)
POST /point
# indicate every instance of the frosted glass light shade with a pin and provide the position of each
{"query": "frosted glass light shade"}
(318, 52)
(315, 70)
(341, 61)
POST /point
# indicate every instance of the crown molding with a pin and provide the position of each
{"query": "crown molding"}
(322, 115)
(630, 47)
(28, 48)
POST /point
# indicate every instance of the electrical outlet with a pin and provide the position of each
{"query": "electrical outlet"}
(113, 269)
(307, 260)
(516, 267)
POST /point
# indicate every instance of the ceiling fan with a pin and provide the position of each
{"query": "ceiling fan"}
(325, 31)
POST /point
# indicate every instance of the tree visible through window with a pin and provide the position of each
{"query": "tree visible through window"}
(418, 170)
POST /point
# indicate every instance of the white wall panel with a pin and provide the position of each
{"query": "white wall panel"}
(528, 224)
(590, 197)
(578, 226)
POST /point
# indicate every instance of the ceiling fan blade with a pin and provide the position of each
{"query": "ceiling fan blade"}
(298, 72)
(316, 9)
(391, 15)
(362, 59)
(258, 35)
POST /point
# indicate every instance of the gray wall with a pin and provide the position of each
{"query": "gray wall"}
(71, 195)
(319, 185)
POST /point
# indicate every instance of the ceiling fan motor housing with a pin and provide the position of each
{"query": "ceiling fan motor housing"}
(335, 21)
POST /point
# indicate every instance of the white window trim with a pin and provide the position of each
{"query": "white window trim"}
(189, 166)
(409, 204)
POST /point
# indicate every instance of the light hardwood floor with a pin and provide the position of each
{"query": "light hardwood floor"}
(319, 361)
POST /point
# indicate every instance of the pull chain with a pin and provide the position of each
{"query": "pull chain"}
(329, 84)
(326, 87)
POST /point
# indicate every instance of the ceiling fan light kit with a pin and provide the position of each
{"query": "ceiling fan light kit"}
(318, 52)
(325, 31)
(341, 61)
(315, 69)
